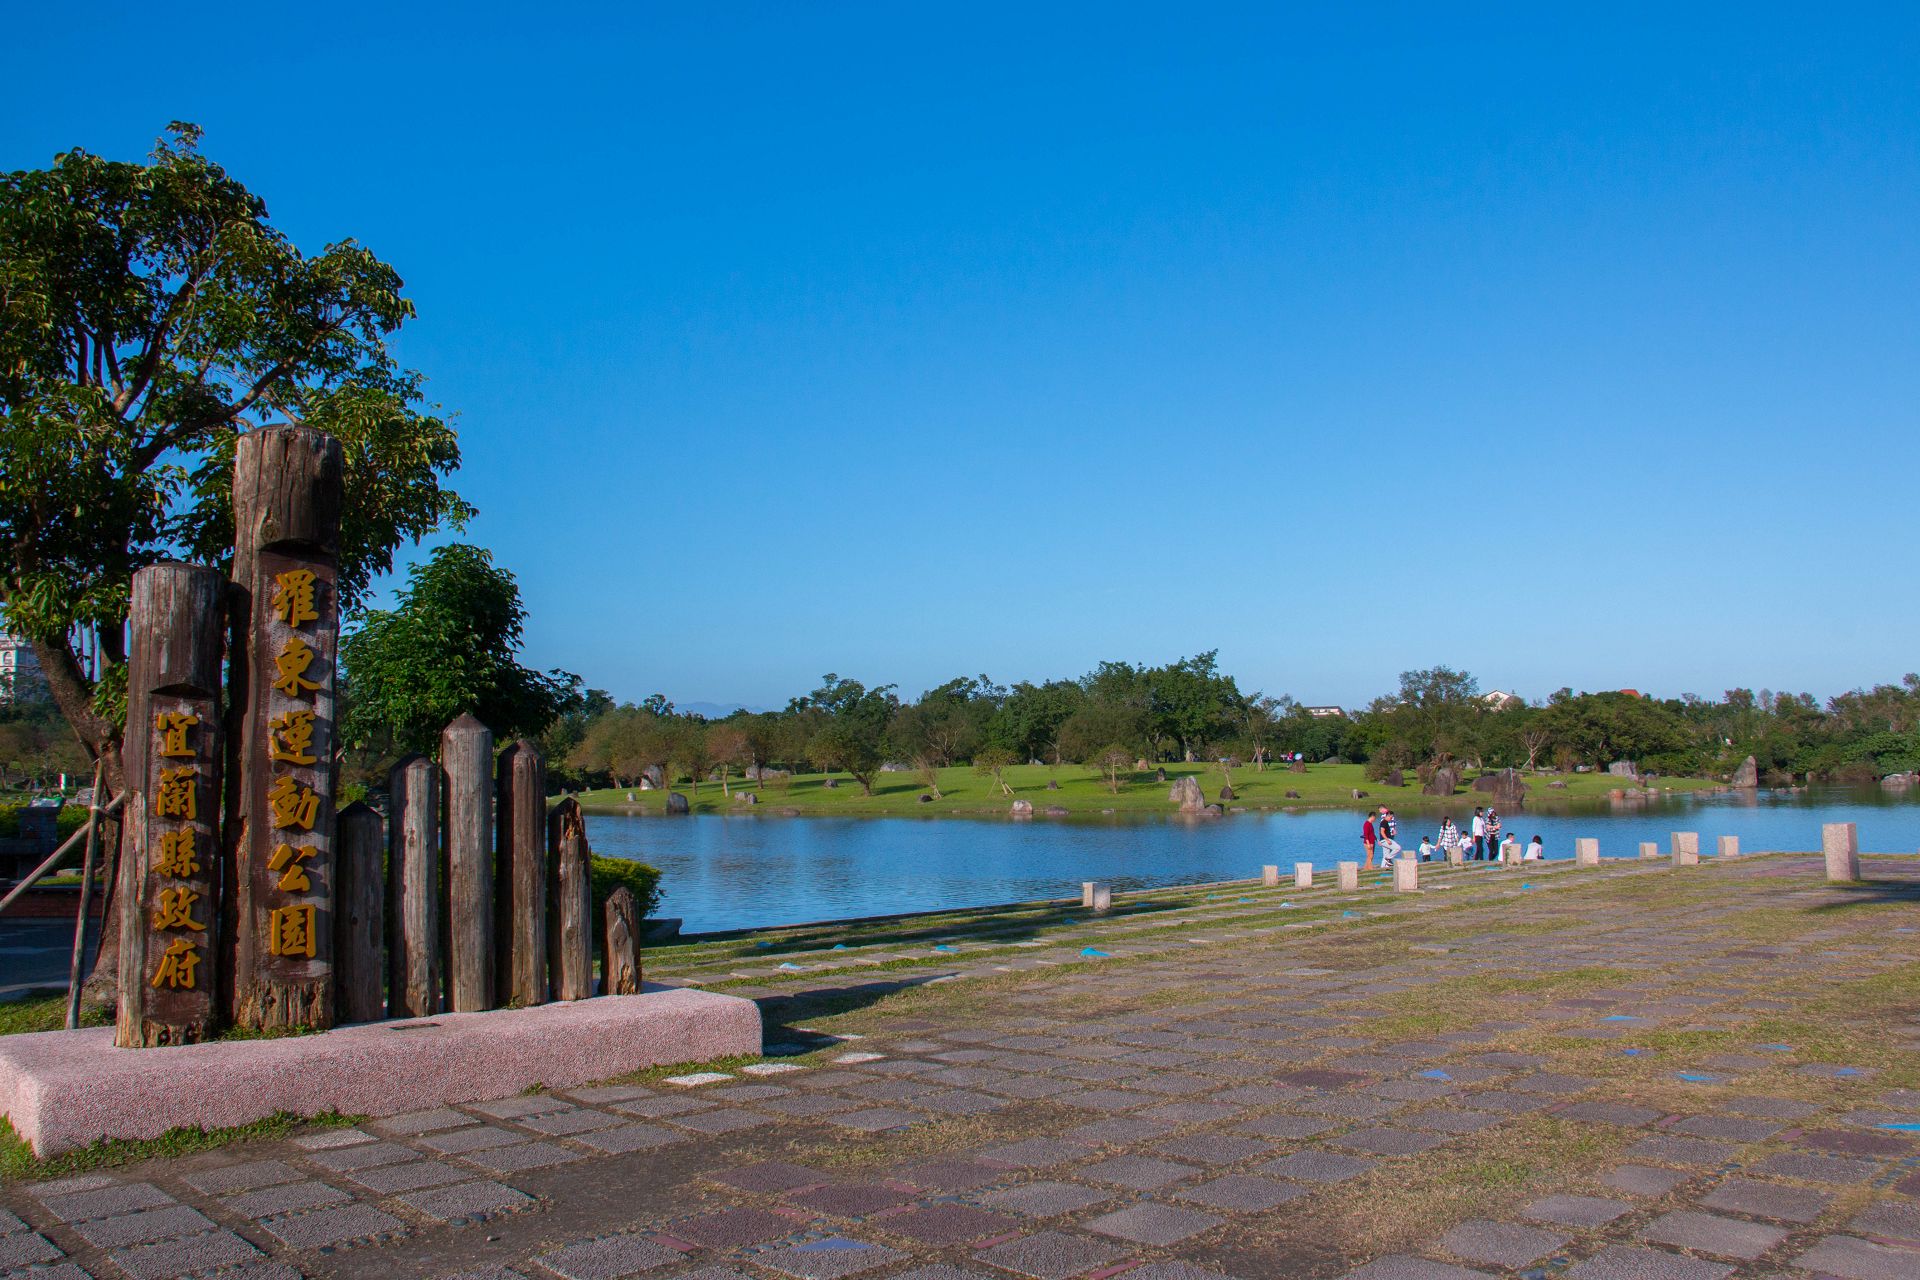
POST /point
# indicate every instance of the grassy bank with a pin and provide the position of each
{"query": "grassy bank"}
(1082, 791)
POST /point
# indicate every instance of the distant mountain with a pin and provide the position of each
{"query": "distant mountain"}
(715, 710)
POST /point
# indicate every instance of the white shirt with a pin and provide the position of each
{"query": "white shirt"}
(1479, 825)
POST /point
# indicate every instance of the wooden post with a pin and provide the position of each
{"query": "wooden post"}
(280, 807)
(359, 918)
(520, 876)
(621, 974)
(170, 877)
(570, 894)
(466, 757)
(416, 969)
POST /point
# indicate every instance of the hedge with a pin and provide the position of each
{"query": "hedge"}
(70, 819)
(642, 880)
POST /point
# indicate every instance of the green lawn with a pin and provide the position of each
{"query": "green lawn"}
(1082, 791)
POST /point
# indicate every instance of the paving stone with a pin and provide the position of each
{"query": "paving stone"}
(1504, 1244)
(413, 1123)
(1770, 1107)
(1576, 1211)
(533, 1104)
(364, 1156)
(1732, 1128)
(187, 1256)
(1389, 1142)
(1142, 1173)
(1213, 1148)
(608, 1258)
(105, 1202)
(62, 1271)
(1121, 1132)
(1889, 1218)
(1857, 1259)
(23, 1248)
(659, 1108)
(877, 1119)
(1031, 1087)
(1855, 1142)
(480, 1137)
(1628, 1262)
(949, 1175)
(412, 1176)
(1035, 1153)
(1812, 1168)
(242, 1177)
(561, 1124)
(333, 1226)
(466, 1200)
(602, 1095)
(771, 1176)
(851, 1199)
(1644, 1180)
(10, 1222)
(731, 1228)
(1451, 1119)
(1677, 1150)
(939, 1271)
(1156, 1224)
(809, 1105)
(1768, 1200)
(1243, 1193)
(44, 1191)
(1711, 1233)
(292, 1198)
(1107, 1099)
(524, 1156)
(1405, 1266)
(942, 1224)
(1285, 1126)
(827, 1259)
(1619, 1113)
(1191, 1112)
(628, 1137)
(1044, 1199)
(1316, 1166)
(328, 1139)
(1051, 1255)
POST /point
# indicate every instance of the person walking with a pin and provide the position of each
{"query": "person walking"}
(1479, 833)
(1367, 840)
(1449, 837)
(1493, 834)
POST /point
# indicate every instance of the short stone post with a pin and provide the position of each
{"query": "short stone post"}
(1456, 857)
(1586, 852)
(1270, 877)
(1686, 848)
(1406, 875)
(621, 974)
(1349, 876)
(170, 953)
(416, 965)
(359, 918)
(1303, 875)
(1729, 846)
(570, 899)
(1086, 892)
(1841, 843)
(466, 759)
(520, 876)
(1102, 896)
(1649, 848)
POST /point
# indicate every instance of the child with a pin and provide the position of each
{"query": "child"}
(1509, 849)
(1426, 849)
(1535, 851)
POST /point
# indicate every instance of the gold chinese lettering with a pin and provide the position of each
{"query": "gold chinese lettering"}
(291, 664)
(290, 738)
(294, 804)
(177, 795)
(173, 727)
(178, 856)
(177, 965)
(290, 931)
(286, 859)
(176, 910)
(293, 601)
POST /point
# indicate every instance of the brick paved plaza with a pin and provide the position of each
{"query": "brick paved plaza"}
(1635, 1073)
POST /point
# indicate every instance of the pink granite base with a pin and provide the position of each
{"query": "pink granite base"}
(65, 1089)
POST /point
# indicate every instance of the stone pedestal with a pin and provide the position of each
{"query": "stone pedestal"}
(1406, 875)
(1087, 888)
(1586, 852)
(1270, 877)
(1649, 848)
(1303, 875)
(1729, 846)
(1456, 857)
(1349, 876)
(1841, 842)
(1099, 895)
(1686, 848)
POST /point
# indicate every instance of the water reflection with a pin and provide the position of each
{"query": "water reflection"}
(727, 872)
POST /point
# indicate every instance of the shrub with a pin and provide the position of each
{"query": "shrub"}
(640, 879)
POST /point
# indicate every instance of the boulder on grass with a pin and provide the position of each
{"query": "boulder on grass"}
(1226, 793)
(1442, 783)
(1187, 794)
(1298, 766)
(1747, 776)
(676, 803)
(1020, 809)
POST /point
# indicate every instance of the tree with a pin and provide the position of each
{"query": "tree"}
(992, 762)
(149, 314)
(853, 729)
(449, 647)
(728, 746)
(1111, 761)
(691, 754)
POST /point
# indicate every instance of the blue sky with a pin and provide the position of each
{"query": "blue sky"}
(1568, 347)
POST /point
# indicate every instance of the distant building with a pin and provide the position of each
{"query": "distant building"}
(1327, 713)
(20, 674)
(1631, 693)
(1500, 700)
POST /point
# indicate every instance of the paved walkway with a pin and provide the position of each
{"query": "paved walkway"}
(1642, 1075)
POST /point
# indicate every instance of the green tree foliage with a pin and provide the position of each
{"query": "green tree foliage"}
(149, 314)
(852, 727)
(449, 647)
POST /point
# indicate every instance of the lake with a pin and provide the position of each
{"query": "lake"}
(727, 872)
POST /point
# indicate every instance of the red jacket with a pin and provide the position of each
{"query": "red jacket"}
(1366, 832)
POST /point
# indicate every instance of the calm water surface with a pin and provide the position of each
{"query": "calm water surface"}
(744, 872)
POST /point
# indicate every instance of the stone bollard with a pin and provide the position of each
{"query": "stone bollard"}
(1102, 897)
(1729, 846)
(1456, 857)
(1686, 848)
(1586, 852)
(1841, 842)
(1349, 876)
(1303, 875)
(1270, 877)
(1087, 888)
(1649, 848)
(1406, 875)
